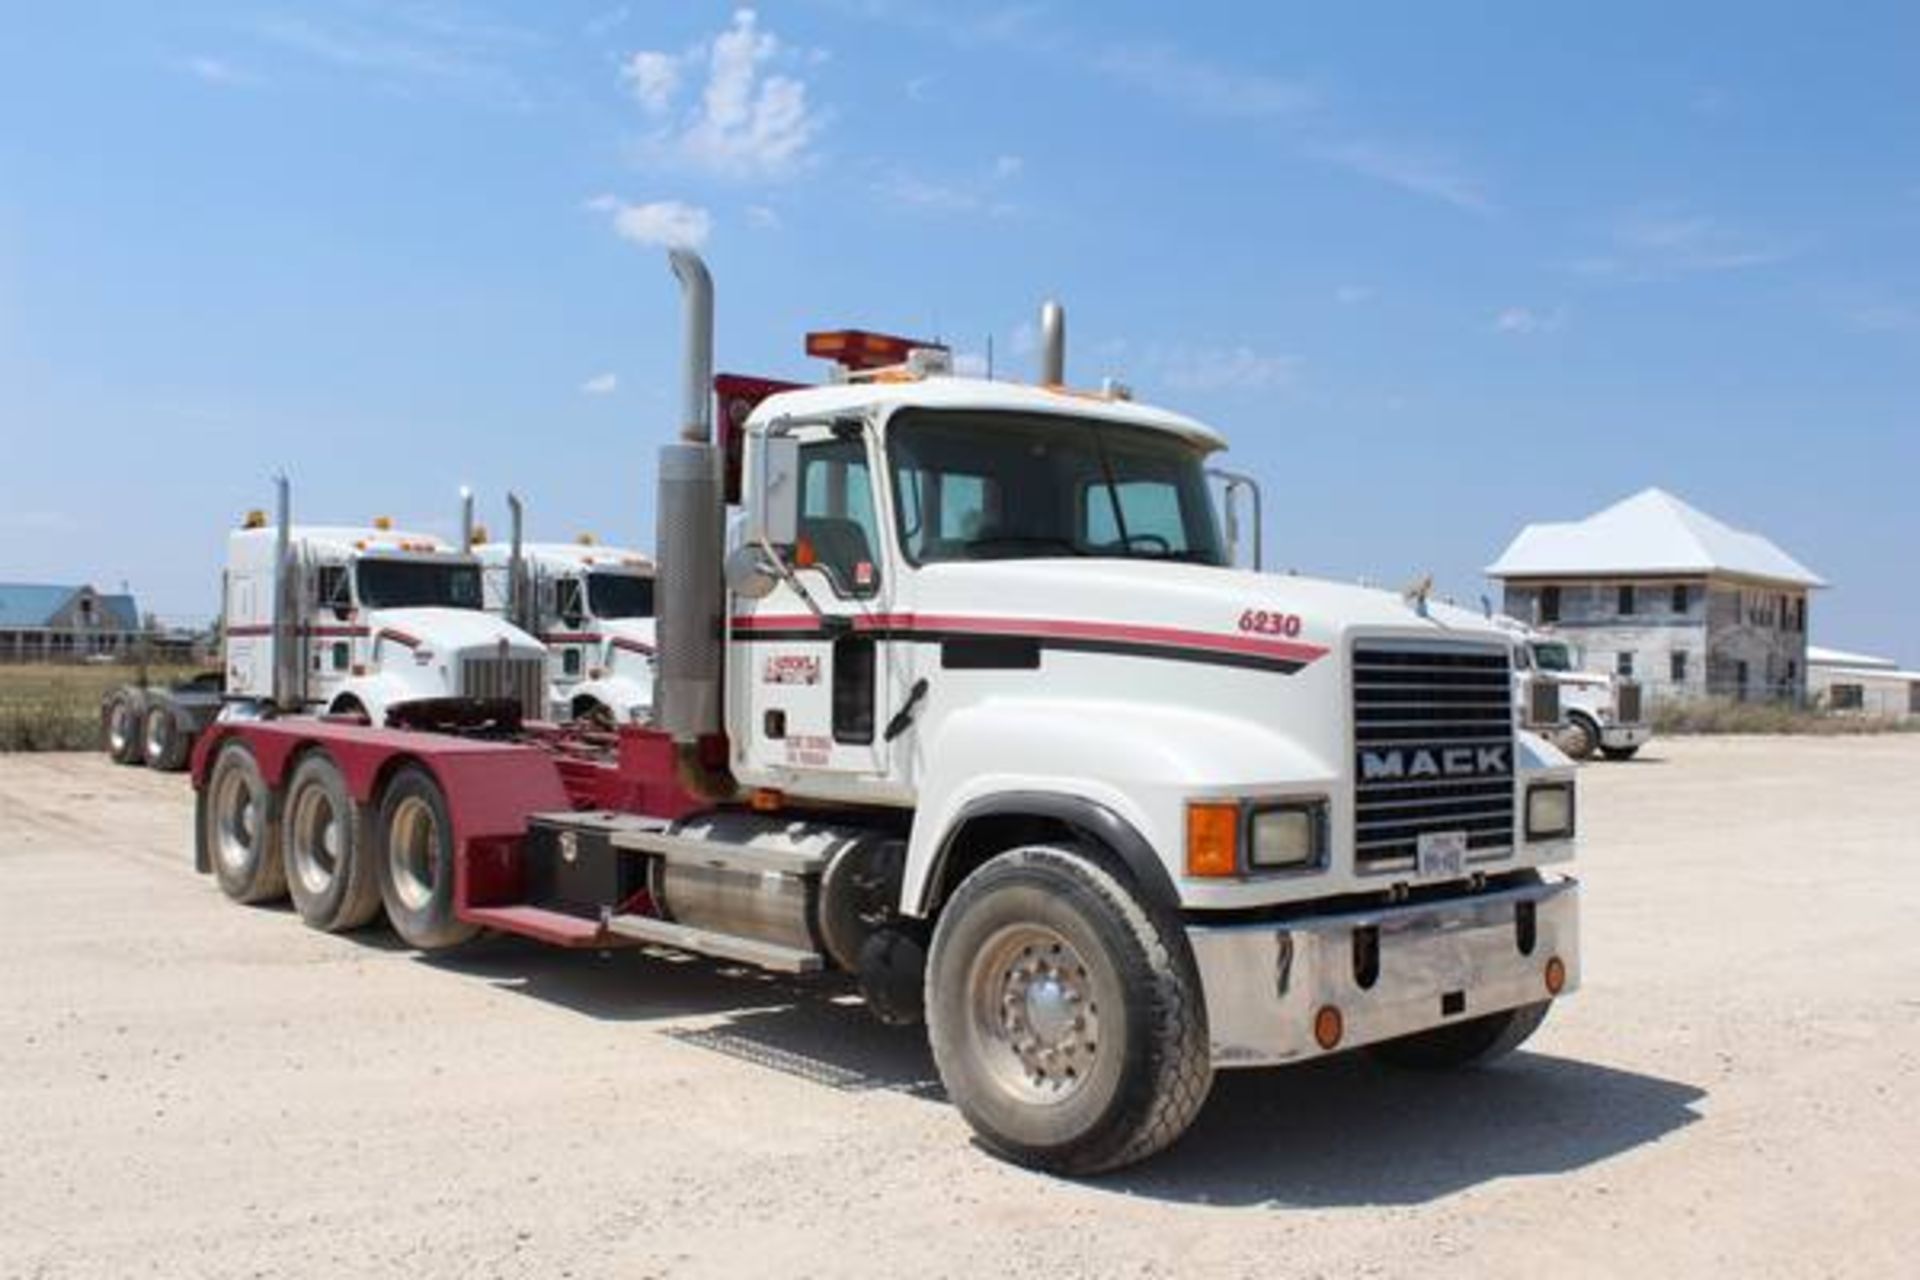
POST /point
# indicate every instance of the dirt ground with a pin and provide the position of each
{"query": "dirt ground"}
(190, 1088)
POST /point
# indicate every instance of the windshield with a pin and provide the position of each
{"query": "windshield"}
(973, 485)
(412, 584)
(1552, 657)
(620, 595)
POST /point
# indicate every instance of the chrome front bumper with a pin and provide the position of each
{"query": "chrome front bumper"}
(1438, 962)
(1625, 735)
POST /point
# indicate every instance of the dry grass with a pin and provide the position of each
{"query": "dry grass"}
(1723, 715)
(57, 708)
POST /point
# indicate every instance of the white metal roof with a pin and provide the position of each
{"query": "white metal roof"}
(1820, 656)
(980, 393)
(1651, 532)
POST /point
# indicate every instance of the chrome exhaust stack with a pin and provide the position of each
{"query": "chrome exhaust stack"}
(288, 669)
(1053, 344)
(519, 597)
(688, 540)
(466, 521)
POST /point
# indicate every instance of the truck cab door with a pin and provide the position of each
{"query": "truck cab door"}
(810, 696)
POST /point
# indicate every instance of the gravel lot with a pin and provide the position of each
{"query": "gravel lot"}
(192, 1088)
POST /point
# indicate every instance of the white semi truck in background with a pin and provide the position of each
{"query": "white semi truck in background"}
(592, 606)
(361, 622)
(976, 709)
(1595, 711)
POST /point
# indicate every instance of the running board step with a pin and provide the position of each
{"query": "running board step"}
(726, 946)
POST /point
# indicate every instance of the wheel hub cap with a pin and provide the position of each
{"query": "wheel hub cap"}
(1047, 1021)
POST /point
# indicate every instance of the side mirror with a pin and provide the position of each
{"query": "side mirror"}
(776, 492)
(750, 574)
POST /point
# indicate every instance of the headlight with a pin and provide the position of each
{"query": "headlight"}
(1550, 811)
(1288, 835)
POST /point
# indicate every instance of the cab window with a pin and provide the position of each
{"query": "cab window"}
(839, 532)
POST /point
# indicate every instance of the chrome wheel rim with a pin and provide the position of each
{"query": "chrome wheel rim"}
(157, 726)
(120, 728)
(413, 848)
(1036, 1025)
(236, 810)
(319, 838)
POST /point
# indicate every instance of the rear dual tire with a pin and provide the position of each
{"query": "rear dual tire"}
(239, 819)
(123, 724)
(162, 741)
(329, 869)
(414, 855)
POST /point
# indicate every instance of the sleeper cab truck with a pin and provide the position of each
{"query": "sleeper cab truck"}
(1599, 712)
(975, 709)
(360, 622)
(592, 607)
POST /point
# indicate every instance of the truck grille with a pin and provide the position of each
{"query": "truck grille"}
(522, 681)
(1543, 702)
(1626, 702)
(1433, 749)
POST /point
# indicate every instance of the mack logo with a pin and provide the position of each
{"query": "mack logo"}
(1435, 762)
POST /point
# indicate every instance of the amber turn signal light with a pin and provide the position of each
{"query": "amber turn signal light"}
(1213, 840)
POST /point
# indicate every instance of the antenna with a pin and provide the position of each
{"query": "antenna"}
(989, 357)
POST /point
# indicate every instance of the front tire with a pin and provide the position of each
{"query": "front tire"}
(328, 872)
(240, 828)
(1475, 1042)
(413, 844)
(1578, 739)
(1066, 1020)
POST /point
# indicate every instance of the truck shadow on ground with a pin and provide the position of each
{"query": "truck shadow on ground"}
(1341, 1132)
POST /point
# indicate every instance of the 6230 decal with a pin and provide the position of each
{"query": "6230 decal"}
(1260, 622)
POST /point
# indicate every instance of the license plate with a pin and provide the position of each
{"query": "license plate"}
(1440, 854)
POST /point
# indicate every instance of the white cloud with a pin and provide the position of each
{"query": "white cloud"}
(1203, 86)
(1522, 321)
(670, 224)
(764, 216)
(404, 47)
(218, 71)
(1420, 170)
(1884, 318)
(603, 23)
(749, 120)
(918, 88)
(982, 193)
(653, 78)
(1352, 295)
(969, 364)
(1230, 368)
(1660, 242)
(600, 384)
(1025, 339)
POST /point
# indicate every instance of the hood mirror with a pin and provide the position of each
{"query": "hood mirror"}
(751, 572)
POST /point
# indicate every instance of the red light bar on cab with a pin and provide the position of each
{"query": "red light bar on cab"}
(857, 349)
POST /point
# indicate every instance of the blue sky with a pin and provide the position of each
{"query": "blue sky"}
(1434, 273)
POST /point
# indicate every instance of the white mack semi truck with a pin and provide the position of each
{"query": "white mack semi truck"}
(592, 606)
(1596, 711)
(976, 710)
